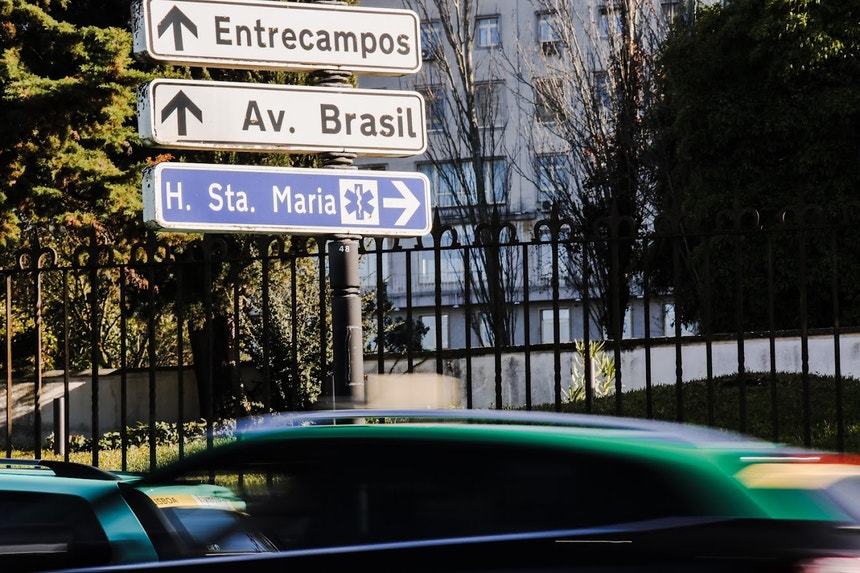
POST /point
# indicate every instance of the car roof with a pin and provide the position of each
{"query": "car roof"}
(646, 440)
(572, 424)
(50, 476)
(54, 468)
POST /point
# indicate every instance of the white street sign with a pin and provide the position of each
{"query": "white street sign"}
(260, 34)
(276, 118)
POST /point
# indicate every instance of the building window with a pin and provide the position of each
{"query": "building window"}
(548, 36)
(627, 327)
(489, 103)
(611, 21)
(450, 263)
(553, 177)
(488, 31)
(444, 182)
(484, 329)
(431, 40)
(544, 264)
(454, 182)
(367, 267)
(669, 322)
(434, 106)
(495, 180)
(549, 98)
(428, 342)
(547, 323)
(602, 91)
(670, 9)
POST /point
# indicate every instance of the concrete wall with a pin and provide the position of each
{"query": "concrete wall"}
(109, 402)
(424, 391)
(692, 364)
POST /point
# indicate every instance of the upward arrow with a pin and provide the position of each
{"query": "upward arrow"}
(176, 19)
(181, 104)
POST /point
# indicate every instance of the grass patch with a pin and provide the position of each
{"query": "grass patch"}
(137, 457)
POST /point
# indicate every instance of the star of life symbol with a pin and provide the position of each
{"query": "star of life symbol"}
(359, 200)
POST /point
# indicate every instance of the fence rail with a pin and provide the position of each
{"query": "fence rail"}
(227, 326)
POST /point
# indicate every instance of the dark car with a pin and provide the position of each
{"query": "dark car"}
(513, 491)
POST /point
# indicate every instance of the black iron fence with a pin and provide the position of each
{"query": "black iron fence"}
(538, 314)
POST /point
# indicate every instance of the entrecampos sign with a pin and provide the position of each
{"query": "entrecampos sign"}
(277, 36)
(290, 119)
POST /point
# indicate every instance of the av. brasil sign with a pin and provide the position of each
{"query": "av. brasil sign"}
(276, 118)
(277, 36)
(246, 199)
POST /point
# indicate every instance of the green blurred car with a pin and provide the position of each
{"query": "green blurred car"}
(350, 478)
(470, 490)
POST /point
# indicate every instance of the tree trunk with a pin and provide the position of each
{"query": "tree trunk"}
(212, 368)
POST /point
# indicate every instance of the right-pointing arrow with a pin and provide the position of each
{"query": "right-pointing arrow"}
(407, 201)
(176, 19)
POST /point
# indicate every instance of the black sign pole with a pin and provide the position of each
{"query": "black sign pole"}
(347, 384)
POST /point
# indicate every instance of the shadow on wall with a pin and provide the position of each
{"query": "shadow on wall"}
(168, 397)
(405, 391)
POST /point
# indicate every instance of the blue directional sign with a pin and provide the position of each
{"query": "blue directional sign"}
(257, 199)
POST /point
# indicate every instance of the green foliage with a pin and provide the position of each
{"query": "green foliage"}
(398, 335)
(288, 345)
(760, 108)
(773, 407)
(602, 374)
(138, 436)
(68, 148)
(135, 458)
(70, 168)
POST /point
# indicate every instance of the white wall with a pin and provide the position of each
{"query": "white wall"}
(693, 365)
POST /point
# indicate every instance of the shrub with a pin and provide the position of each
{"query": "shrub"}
(165, 434)
(602, 372)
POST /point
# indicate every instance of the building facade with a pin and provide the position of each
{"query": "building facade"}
(516, 94)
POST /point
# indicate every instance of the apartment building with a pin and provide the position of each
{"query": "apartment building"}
(513, 90)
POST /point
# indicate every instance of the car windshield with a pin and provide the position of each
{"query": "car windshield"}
(216, 531)
(207, 519)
